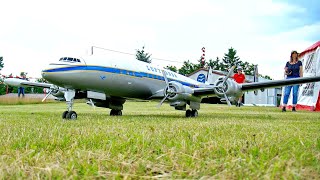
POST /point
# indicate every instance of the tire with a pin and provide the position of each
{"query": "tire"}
(72, 115)
(188, 113)
(112, 112)
(194, 113)
(64, 114)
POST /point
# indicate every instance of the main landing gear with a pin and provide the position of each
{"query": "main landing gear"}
(191, 113)
(114, 112)
(69, 114)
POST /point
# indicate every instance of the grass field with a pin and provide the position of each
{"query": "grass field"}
(147, 142)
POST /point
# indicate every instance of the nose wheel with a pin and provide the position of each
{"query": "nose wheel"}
(72, 115)
(191, 113)
(69, 114)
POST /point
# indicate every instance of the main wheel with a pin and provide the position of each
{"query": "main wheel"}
(188, 113)
(194, 113)
(119, 113)
(72, 115)
(64, 115)
(115, 112)
(112, 112)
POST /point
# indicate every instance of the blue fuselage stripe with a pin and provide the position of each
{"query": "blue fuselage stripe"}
(114, 71)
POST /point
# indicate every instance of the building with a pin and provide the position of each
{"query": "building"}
(264, 97)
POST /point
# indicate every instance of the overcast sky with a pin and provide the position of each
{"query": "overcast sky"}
(35, 33)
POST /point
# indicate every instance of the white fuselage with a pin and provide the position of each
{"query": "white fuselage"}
(123, 78)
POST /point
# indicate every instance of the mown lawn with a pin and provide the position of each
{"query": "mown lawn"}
(147, 142)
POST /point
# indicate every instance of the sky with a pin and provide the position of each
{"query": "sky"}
(35, 33)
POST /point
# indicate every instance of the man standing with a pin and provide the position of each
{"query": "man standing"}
(21, 89)
(240, 78)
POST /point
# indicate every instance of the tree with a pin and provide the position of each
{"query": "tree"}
(214, 64)
(172, 68)
(2, 87)
(188, 68)
(247, 68)
(1, 63)
(230, 59)
(142, 56)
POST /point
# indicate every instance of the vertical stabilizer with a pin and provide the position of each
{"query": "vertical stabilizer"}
(209, 78)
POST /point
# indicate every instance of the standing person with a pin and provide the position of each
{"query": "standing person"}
(21, 89)
(293, 69)
(239, 77)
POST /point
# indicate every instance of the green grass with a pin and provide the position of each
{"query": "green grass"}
(147, 142)
(23, 100)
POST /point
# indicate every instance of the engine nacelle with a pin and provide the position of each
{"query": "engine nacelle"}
(58, 92)
(230, 87)
(178, 92)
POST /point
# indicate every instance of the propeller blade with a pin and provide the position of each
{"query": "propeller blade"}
(92, 104)
(167, 87)
(228, 75)
(227, 99)
(165, 78)
(161, 102)
(49, 93)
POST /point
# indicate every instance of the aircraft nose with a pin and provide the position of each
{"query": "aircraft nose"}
(45, 75)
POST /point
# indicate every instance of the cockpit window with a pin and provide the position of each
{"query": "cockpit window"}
(69, 59)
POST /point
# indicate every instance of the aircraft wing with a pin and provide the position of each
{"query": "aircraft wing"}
(256, 85)
(21, 82)
(278, 83)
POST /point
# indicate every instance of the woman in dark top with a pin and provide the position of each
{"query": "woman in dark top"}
(293, 69)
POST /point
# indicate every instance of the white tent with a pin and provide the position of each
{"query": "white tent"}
(309, 93)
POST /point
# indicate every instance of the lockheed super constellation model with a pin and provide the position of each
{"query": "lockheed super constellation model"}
(108, 83)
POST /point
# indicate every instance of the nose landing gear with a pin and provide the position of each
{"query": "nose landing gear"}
(69, 114)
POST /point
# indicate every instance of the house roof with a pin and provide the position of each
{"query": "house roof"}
(204, 69)
(311, 48)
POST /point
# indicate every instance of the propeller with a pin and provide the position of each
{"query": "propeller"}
(53, 89)
(92, 104)
(222, 84)
(166, 89)
(229, 74)
(49, 93)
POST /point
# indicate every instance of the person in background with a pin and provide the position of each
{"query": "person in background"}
(21, 89)
(239, 77)
(293, 69)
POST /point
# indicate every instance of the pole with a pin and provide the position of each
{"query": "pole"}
(203, 56)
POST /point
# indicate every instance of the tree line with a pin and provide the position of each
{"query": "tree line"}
(229, 59)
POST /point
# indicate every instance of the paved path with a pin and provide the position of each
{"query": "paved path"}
(36, 96)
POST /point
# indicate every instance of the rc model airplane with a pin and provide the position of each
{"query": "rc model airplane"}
(108, 83)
